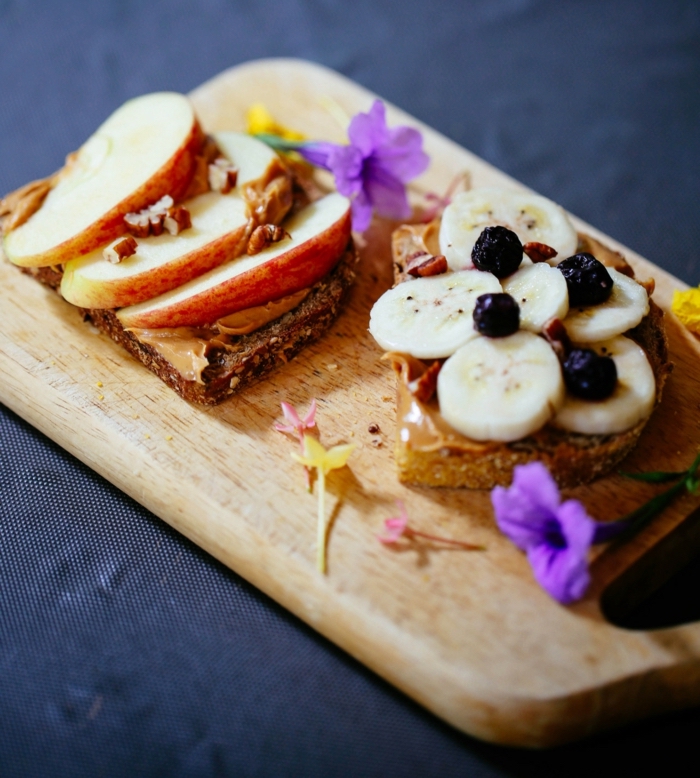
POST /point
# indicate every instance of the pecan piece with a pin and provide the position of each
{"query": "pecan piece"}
(263, 236)
(162, 214)
(558, 338)
(432, 266)
(539, 252)
(123, 248)
(222, 175)
(177, 219)
(138, 224)
(423, 387)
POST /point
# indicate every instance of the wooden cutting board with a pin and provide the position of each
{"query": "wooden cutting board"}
(467, 634)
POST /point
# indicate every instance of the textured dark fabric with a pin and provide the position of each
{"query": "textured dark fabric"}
(126, 650)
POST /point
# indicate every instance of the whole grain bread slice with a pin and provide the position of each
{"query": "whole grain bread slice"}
(245, 358)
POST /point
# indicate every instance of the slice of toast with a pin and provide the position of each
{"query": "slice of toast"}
(234, 362)
(428, 452)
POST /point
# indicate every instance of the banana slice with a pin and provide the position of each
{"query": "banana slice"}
(532, 217)
(500, 388)
(625, 308)
(540, 291)
(632, 400)
(430, 317)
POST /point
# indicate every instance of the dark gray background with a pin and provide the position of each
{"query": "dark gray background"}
(126, 650)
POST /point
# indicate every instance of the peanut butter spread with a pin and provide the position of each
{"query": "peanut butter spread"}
(188, 348)
(421, 427)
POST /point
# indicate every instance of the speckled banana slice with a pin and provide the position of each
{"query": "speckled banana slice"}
(532, 217)
(632, 400)
(501, 388)
(541, 293)
(430, 317)
(625, 308)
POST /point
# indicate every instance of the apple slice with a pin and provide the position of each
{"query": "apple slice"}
(319, 233)
(220, 228)
(144, 150)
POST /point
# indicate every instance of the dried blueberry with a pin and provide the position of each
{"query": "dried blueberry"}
(496, 315)
(587, 279)
(589, 375)
(498, 250)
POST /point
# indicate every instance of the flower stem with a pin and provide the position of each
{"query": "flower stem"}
(278, 143)
(321, 526)
(462, 544)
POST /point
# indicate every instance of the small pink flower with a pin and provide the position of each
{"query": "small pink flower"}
(297, 425)
(397, 527)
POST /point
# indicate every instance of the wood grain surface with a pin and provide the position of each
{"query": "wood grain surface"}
(467, 634)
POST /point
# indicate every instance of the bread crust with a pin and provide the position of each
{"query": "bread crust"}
(573, 459)
(248, 357)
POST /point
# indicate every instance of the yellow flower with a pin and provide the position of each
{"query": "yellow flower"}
(686, 306)
(316, 456)
(260, 122)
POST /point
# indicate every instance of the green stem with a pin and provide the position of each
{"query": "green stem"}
(280, 144)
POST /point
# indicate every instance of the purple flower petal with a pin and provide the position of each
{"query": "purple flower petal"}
(386, 193)
(361, 212)
(317, 153)
(555, 537)
(403, 154)
(536, 484)
(367, 131)
(560, 564)
(375, 167)
(345, 162)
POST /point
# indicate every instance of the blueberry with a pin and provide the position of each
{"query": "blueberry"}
(496, 315)
(498, 250)
(588, 375)
(587, 279)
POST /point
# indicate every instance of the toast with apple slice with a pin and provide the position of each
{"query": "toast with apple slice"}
(203, 256)
(514, 339)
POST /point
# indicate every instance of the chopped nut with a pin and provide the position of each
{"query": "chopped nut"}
(138, 224)
(162, 214)
(178, 219)
(119, 250)
(376, 442)
(432, 266)
(263, 236)
(373, 428)
(649, 285)
(555, 332)
(222, 175)
(423, 387)
(539, 252)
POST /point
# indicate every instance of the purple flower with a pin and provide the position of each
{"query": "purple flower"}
(375, 167)
(555, 536)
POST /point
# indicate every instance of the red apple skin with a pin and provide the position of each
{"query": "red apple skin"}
(118, 293)
(287, 273)
(172, 178)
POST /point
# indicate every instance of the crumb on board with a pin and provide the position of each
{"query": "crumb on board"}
(100, 397)
(332, 366)
(99, 384)
(168, 437)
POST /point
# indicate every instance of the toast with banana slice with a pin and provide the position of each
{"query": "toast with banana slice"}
(514, 339)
